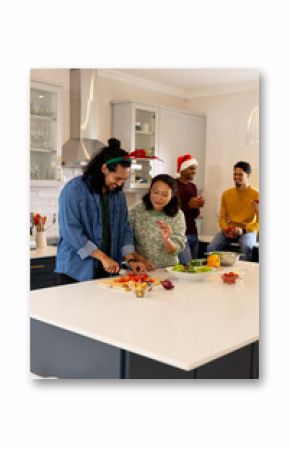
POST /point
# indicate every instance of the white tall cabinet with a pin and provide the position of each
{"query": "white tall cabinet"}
(45, 134)
(164, 132)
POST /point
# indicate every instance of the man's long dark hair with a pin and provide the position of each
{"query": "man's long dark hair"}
(171, 209)
(93, 176)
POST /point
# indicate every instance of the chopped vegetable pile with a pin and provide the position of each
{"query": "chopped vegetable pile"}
(143, 277)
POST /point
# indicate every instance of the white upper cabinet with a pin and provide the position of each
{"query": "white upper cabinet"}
(45, 134)
(135, 125)
(163, 132)
(169, 141)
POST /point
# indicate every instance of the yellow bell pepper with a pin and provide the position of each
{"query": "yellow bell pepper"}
(214, 261)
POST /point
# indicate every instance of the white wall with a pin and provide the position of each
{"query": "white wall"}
(227, 117)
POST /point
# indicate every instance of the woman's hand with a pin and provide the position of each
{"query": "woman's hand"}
(165, 229)
(149, 266)
(144, 264)
(166, 232)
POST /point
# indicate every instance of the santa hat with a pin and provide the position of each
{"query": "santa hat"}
(185, 161)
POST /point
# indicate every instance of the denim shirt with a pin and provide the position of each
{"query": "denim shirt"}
(80, 223)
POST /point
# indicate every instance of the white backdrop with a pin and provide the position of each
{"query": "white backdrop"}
(224, 414)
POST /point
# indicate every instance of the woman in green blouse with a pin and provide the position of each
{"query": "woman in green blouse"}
(158, 225)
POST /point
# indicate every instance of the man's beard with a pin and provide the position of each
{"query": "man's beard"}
(115, 189)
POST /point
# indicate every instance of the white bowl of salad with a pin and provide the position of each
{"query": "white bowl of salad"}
(190, 272)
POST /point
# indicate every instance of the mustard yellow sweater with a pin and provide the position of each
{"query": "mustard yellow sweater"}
(237, 209)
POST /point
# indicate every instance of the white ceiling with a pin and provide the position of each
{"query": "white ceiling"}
(193, 81)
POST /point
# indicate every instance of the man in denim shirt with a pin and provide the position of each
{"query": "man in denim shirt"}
(95, 235)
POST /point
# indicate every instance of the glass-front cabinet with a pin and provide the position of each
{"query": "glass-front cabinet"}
(45, 139)
(135, 125)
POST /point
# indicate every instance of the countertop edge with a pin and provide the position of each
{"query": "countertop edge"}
(171, 362)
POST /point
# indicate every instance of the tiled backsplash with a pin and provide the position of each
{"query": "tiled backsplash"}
(44, 201)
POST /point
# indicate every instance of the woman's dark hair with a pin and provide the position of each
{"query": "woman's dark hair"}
(245, 166)
(92, 174)
(172, 207)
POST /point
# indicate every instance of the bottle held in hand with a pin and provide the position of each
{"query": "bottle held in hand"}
(200, 201)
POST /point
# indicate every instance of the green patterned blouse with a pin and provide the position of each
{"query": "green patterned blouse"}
(147, 235)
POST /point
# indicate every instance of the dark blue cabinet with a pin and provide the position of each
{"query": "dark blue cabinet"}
(42, 273)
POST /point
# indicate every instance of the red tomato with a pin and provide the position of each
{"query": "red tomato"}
(230, 278)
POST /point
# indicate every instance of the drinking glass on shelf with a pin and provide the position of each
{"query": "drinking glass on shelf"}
(32, 172)
(41, 136)
(36, 172)
(32, 135)
(49, 174)
(37, 136)
(36, 109)
(45, 138)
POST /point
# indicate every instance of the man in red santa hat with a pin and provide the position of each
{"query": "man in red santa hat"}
(190, 203)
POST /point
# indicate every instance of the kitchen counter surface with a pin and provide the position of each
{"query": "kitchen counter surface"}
(38, 253)
(186, 327)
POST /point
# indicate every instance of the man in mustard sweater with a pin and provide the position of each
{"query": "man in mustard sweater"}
(239, 220)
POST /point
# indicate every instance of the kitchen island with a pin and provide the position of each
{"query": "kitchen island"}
(203, 329)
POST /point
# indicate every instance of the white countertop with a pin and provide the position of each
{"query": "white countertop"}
(49, 251)
(188, 326)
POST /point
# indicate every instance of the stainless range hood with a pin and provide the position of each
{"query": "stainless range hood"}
(83, 142)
